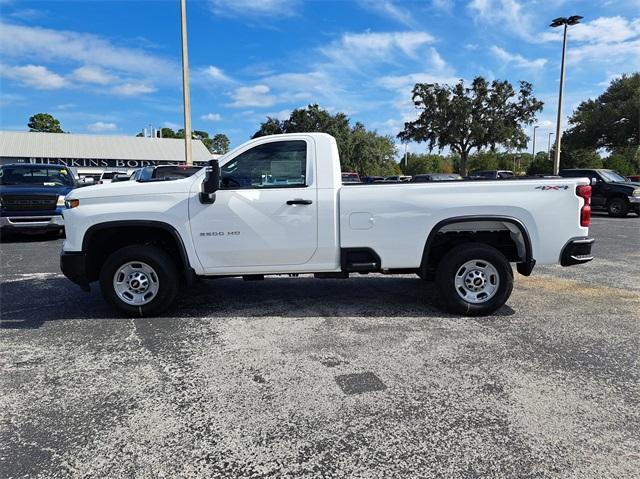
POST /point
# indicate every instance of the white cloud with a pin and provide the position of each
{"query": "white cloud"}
(253, 8)
(436, 70)
(389, 9)
(405, 83)
(211, 117)
(61, 45)
(36, 76)
(354, 49)
(93, 74)
(516, 59)
(443, 5)
(509, 14)
(133, 89)
(101, 126)
(214, 73)
(606, 40)
(605, 30)
(252, 96)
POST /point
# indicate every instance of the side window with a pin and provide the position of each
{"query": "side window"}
(279, 164)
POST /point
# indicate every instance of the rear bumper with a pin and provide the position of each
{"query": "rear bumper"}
(74, 267)
(577, 251)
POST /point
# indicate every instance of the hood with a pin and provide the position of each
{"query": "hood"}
(34, 190)
(134, 188)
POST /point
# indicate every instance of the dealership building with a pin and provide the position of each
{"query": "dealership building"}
(90, 155)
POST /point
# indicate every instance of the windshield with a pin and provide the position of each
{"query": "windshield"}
(176, 172)
(611, 176)
(21, 175)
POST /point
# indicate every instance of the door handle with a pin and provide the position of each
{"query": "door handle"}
(299, 201)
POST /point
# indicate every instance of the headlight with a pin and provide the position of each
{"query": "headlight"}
(71, 203)
(60, 200)
(636, 192)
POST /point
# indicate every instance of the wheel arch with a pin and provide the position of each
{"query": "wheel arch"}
(464, 226)
(127, 232)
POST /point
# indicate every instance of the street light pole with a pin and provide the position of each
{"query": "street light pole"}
(185, 86)
(573, 20)
(533, 155)
(549, 147)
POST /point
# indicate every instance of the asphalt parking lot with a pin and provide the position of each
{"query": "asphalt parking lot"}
(296, 377)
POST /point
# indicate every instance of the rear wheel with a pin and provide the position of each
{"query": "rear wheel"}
(617, 208)
(139, 280)
(474, 279)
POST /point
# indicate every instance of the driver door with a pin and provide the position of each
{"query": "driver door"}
(265, 214)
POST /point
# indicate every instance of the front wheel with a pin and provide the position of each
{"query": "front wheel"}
(618, 208)
(139, 280)
(474, 279)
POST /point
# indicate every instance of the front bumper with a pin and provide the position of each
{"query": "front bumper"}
(33, 221)
(577, 251)
(74, 267)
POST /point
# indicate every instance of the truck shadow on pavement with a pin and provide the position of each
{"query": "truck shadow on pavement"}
(28, 304)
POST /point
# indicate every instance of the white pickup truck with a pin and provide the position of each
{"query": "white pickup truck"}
(277, 205)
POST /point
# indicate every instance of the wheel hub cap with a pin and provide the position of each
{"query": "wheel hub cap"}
(477, 281)
(136, 283)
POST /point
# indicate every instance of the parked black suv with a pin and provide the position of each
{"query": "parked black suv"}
(610, 190)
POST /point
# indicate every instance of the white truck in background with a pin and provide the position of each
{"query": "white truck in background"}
(277, 205)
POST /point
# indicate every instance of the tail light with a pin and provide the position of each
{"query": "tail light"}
(584, 191)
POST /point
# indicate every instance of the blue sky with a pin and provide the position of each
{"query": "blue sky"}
(114, 67)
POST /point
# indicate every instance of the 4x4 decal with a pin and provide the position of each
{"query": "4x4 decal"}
(556, 187)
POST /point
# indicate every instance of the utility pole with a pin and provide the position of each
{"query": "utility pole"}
(185, 85)
(405, 158)
(573, 20)
(533, 155)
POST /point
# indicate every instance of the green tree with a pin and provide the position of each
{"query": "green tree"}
(168, 133)
(419, 163)
(486, 115)
(626, 162)
(365, 152)
(483, 160)
(580, 158)
(220, 144)
(540, 165)
(44, 122)
(611, 121)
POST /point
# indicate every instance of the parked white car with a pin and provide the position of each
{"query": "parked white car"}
(277, 205)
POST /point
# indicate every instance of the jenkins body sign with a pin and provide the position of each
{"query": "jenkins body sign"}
(98, 163)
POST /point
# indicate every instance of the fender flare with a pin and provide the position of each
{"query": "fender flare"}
(523, 268)
(92, 230)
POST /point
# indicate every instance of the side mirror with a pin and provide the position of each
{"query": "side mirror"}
(211, 182)
(594, 181)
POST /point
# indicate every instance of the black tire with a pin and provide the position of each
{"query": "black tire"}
(618, 207)
(163, 266)
(449, 268)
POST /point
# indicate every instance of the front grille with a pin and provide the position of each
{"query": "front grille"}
(29, 203)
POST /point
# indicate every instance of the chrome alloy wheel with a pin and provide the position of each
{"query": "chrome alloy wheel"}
(136, 283)
(477, 281)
